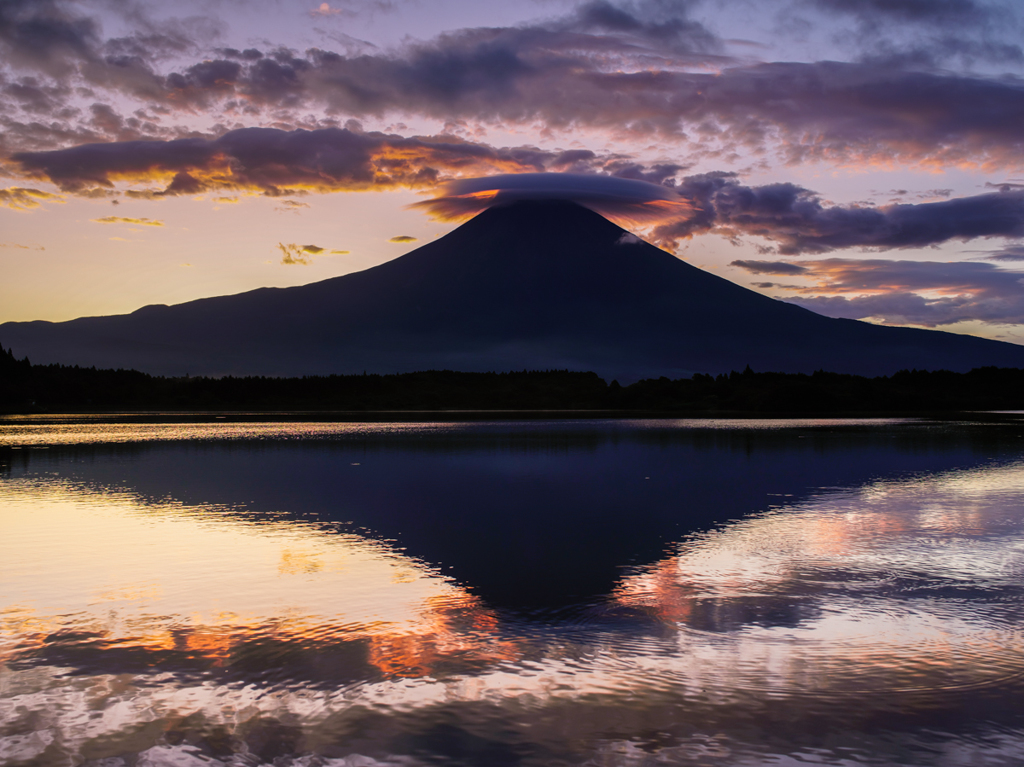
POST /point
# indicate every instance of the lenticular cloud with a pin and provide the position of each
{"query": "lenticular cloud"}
(609, 195)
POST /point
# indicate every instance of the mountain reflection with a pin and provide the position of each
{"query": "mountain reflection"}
(202, 603)
(532, 516)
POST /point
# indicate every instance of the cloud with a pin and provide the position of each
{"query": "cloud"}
(610, 195)
(901, 292)
(799, 222)
(277, 162)
(339, 252)
(645, 68)
(52, 37)
(561, 77)
(41, 34)
(824, 110)
(944, 12)
(1011, 252)
(325, 9)
(770, 267)
(778, 285)
(298, 254)
(291, 206)
(403, 238)
(914, 309)
(20, 198)
(124, 220)
(840, 275)
(916, 34)
(20, 246)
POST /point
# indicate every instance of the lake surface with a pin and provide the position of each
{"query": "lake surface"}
(512, 593)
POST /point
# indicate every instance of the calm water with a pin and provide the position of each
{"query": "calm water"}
(541, 593)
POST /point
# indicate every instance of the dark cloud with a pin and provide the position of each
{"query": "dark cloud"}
(793, 218)
(925, 34)
(444, 71)
(402, 238)
(279, 163)
(798, 221)
(44, 35)
(941, 12)
(249, 54)
(647, 67)
(36, 97)
(660, 23)
(1012, 252)
(936, 51)
(812, 111)
(220, 74)
(770, 267)
(288, 206)
(276, 161)
(925, 293)
(52, 37)
(609, 195)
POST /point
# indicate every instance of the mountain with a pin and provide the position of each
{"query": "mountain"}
(530, 285)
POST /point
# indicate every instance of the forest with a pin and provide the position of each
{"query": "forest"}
(47, 389)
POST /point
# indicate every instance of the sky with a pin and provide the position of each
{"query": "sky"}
(861, 158)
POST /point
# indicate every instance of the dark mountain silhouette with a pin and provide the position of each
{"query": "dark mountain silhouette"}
(532, 285)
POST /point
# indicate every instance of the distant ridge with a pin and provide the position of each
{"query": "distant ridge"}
(532, 285)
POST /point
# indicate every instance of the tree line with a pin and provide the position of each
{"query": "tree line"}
(28, 388)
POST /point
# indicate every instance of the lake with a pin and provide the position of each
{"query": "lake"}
(544, 592)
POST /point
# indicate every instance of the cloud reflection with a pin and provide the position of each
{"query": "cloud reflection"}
(899, 600)
(193, 587)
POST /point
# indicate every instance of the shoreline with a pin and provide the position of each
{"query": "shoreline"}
(469, 416)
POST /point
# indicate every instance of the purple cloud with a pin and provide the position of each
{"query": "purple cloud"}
(272, 161)
(902, 292)
(669, 77)
(799, 222)
(771, 267)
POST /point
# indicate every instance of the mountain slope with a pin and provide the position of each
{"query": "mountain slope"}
(529, 285)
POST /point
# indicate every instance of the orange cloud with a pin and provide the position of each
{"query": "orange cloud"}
(298, 254)
(276, 163)
(125, 220)
(21, 198)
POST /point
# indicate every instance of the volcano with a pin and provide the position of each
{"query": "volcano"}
(530, 285)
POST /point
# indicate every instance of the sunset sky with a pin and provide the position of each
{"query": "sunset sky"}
(862, 158)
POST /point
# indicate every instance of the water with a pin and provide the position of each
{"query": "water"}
(530, 593)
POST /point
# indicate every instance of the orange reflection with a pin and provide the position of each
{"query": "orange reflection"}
(165, 578)
(460, 627)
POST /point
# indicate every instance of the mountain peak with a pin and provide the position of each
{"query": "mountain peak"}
(531, 284)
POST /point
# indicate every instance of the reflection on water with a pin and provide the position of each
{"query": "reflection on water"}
(536, 594)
